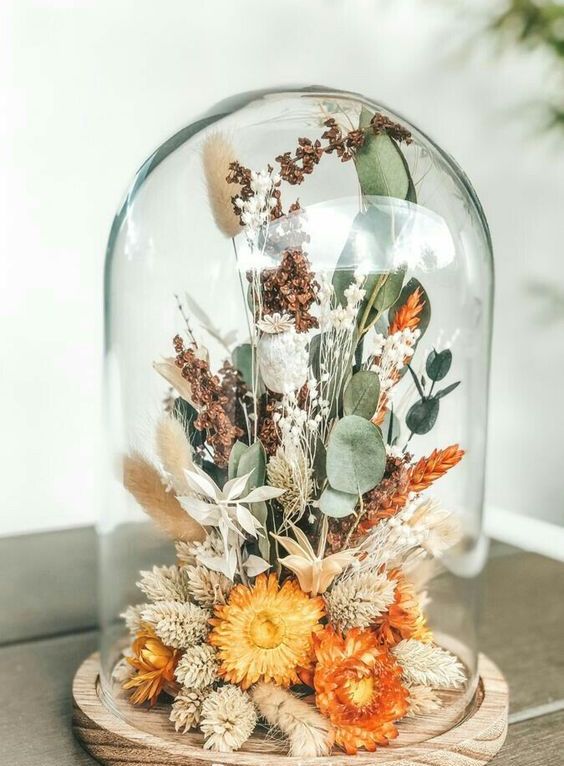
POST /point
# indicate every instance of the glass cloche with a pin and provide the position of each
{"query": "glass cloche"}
(298, 317)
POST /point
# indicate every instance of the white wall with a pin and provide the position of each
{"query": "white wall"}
(88, 89)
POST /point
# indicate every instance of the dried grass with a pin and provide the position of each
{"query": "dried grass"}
(217, 154)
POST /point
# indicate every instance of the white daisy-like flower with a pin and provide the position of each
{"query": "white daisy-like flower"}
(273, 324)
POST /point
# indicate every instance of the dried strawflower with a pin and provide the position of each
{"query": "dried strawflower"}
(187, 708)
(315, 573)
(155, 663)
(404, 618)
(290, 289)
(358, 688)
(207, 587)
(358, 600)
(422, 701)
(197, 668)
(164, 584)
(227, 720)
(265, 632)
(307, 731)
(178, 624)
(427, 664)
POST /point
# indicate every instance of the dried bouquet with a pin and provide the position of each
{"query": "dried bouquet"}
(300, 517)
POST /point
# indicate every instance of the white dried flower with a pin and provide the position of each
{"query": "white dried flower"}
(273, 324)
(358, 600)
(437, 528)
(197, 668)
(177, 624)
(283, 360)
(228, 719)
(207, 587)
(391, 354)
(422, 701)
(164, 584)
(132, 617)
(289, 469)
(123, 671)
(428, 665)
(187, 708)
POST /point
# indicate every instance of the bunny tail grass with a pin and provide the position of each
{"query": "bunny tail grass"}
(217, 154)
(174, 451)
(307, 731)
(144, 482)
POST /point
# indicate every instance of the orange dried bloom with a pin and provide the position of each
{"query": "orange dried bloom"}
(155, 664)
(265, 632)
(358, 688)
(408, 316)
(429, 469)
(404, 618)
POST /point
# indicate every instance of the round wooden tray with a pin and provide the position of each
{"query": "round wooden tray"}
(149, 739)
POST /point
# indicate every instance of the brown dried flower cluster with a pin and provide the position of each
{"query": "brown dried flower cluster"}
(268, 432)
(240, 175)
(385, 500)
(236, 394)
(344, 146)
(291, 288)
(212, 401)
(382, 124)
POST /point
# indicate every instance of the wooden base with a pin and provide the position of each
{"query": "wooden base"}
(148, 738)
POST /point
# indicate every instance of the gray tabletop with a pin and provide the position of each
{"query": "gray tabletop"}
(47, 626)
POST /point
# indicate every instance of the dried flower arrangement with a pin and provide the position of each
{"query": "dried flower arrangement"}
(300, 521)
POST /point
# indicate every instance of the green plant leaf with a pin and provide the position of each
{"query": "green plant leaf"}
(242, 360)
(253, 459)
(390, 291)
(425, 315)
(391, 427)
(337, 504)
(237, 450)
(379, 164)
(260, 512)
(320, 461)
(445, 391)
(356, 456)
(422, 416)
(438, 364)
(361, 394)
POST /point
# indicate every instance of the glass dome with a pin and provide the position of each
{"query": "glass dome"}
(298, 316)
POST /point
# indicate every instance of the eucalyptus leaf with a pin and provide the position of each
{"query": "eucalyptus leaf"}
(242, 361)
(253, 461)
(337, 504)
(320, 461)
(361, 394)
(391, 427)
(438, 364)
(445, 391)
(422, 416)
(237, 450)
(379, 164)
(390, 291)
(356, 456)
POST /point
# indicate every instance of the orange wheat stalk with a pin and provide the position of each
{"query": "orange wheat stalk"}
(408, 316)
(429, 469)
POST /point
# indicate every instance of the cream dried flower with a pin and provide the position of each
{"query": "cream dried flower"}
(132, 618)
(187, 708)
(357, 601)
(272, 324)
(315, 574)
(123, 671)
(228, 719)
(207, 587)
(283, 360)
(289, 469)
(428, 665)
(197, 668)
(422, 701)
(165, 584)
(178, 625)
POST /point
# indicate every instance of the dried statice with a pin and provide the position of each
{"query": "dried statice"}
(186, 709)
(178, 625)
(197, 668)
(358, 600)
(206, 586)
(426, 664)
(228, 719)
(165, 584)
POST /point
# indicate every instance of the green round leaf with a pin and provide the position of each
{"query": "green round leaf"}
(237, 451)
(356, 456)
(438, 364)
(253, 459)
(379, 164)
(337, 504)
(422, 416)
(361, 394)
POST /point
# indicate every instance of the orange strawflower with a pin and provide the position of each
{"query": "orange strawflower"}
(265, 632)
(358, 688)
(408, 316)
(429, 469)
(404, 618)
(155, 664)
